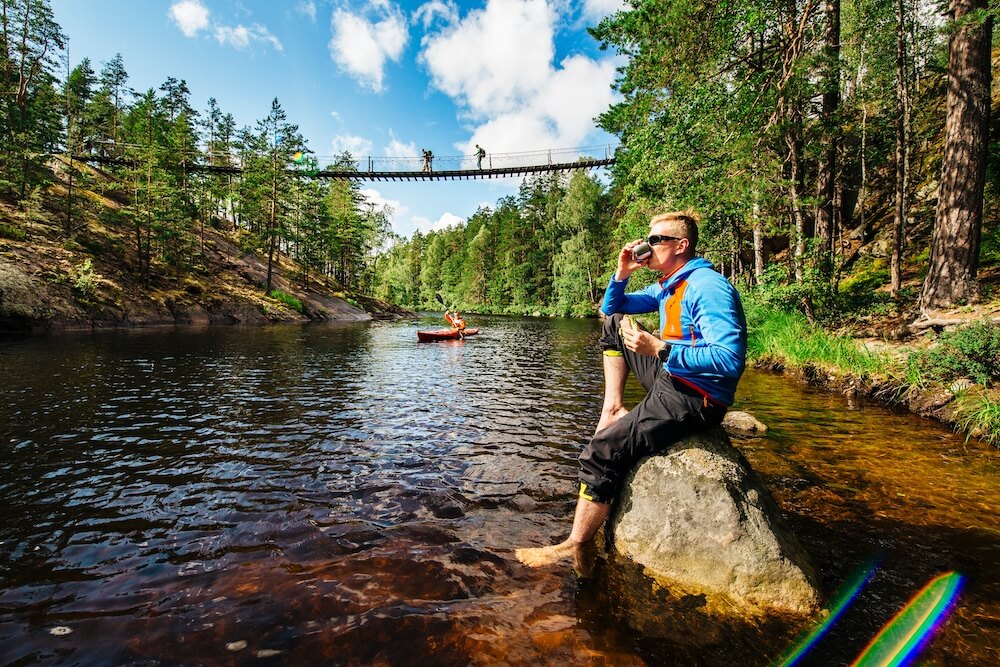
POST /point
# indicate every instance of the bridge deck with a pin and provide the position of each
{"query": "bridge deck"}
(463, 174)
(453, 174)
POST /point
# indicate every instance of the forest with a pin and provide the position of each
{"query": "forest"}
(839, 154)
(835, 167)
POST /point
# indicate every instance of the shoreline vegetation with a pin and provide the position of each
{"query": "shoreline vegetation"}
(947, 377)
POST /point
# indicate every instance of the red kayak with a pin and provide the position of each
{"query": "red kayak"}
(444, 334)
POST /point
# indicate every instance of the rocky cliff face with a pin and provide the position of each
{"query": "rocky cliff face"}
(47, 282)
(703, 525)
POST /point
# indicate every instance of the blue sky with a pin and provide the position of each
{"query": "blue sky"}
(376, 77)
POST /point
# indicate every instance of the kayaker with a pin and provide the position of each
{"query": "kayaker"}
(689, 371)
(455, 320)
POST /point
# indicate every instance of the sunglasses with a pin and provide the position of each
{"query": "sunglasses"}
(656, 239)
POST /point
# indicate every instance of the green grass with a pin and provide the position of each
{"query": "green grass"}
(790, 339)
(288, 300)
(979, 413)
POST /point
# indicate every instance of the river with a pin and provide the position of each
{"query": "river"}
(340, 494)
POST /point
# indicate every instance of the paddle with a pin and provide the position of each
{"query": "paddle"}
(461, 334)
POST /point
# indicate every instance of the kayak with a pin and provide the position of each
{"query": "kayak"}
(444, 334)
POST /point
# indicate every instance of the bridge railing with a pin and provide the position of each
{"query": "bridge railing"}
(408, 164)
(490, 160)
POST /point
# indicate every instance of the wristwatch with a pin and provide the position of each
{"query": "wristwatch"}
(664, 353)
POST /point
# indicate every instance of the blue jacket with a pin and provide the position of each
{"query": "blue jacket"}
(701, 316)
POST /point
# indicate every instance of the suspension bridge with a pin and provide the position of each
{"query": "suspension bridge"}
(372, 168)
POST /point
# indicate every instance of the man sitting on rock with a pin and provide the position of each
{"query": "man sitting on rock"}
(689, 371)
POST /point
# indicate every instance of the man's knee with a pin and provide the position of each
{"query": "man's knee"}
(611, 336)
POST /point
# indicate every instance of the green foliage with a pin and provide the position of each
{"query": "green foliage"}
(979, 413)
(288, 300)
(862, 293)
(85, 279)
(989, 250)
(249, 242)
(810, 295)
(9, 231)
(971, 352)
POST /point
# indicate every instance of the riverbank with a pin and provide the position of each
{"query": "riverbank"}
(932, 371)
(50, 280)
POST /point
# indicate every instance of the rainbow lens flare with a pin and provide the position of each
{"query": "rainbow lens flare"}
(844, 596)
(903, 636)
(298, 157)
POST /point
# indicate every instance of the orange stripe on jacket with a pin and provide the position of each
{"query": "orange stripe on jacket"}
(672, 329)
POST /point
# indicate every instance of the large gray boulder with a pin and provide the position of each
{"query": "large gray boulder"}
(700, 522)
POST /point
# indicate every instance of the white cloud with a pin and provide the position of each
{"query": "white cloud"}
(355, 145)
(427, 12)
(398, 213)
(497, 64)
(190, 16)
(402, 219)
(307, 7)
(397, 148)
(361, 46)
(446, 220)
(241, 36)
(595, 10)
(495, 57)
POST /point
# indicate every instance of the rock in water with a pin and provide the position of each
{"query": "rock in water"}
(743, 423)
(701, 522)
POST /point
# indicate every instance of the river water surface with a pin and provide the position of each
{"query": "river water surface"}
(340, 494)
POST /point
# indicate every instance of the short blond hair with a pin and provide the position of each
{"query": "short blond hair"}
(686, 220)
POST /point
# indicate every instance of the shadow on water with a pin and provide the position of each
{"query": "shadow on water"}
(341, 494)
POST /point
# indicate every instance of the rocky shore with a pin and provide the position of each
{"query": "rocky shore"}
(50, 284)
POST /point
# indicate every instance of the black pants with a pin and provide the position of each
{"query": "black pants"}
(670, 412)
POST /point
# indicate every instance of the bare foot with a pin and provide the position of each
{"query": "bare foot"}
(583, 556)
(542, 556)
(609, 417)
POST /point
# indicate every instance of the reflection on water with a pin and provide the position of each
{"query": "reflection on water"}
(339, 494)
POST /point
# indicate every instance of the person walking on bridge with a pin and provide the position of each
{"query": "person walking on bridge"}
(480, 154)
(690, 370)
(428, 161)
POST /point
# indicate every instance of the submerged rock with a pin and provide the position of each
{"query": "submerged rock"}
(701, 523)
(743, 423)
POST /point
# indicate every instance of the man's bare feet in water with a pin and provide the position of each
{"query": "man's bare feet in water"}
(610, 417)
(582, 554)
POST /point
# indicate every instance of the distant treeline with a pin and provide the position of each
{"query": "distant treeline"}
(545, 250)
(801, 130)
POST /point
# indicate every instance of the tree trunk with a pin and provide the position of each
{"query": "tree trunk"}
(955, 248)
(863, 188)
(831, 102)
(793, 140)
(899, 218)
(758, 242)
(272, 222)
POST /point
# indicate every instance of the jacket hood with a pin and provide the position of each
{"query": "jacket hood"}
(669, 282)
